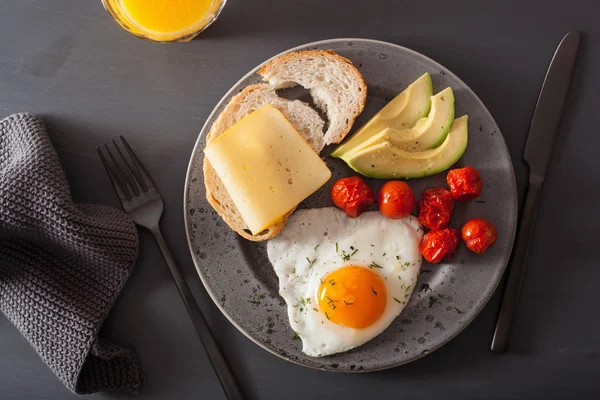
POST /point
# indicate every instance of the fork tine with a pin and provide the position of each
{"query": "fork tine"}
(115, 179)
(138, 164)
(126, 175)
(133, 168)
(133, 175)
(119, 173)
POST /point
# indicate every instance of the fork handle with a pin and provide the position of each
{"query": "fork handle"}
(219, 363)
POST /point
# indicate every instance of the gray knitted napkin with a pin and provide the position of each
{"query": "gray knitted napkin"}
(62, 264)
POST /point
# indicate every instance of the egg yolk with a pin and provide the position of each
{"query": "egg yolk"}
(352, 296)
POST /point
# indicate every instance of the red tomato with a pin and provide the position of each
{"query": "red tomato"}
(465, 183)
(479, 234)
(352, 195)
(396, 199)
(439, 245)
(435, 208)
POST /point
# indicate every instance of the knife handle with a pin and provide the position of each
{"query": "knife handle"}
(517, 268)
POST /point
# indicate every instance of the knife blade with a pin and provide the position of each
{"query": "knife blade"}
(538, 150)
(548, 110)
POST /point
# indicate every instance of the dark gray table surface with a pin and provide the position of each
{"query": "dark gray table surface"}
(66, 61)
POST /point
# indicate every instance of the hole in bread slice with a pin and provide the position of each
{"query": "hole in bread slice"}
(298, 92)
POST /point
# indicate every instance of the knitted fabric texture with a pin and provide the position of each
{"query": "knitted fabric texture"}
(62, 264)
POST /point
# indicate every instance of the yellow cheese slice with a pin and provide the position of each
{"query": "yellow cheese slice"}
(266, 166)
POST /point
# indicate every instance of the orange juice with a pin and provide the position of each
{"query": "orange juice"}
(164, 20)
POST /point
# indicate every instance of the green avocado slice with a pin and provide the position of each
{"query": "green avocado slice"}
(386, 161)
(428, 133)
(403, 112)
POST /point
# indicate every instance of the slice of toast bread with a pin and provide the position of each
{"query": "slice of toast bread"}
(343, 83)
(306, 121)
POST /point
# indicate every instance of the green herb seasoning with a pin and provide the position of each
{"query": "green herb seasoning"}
(257, 299)
(345, 256)
(331, 303)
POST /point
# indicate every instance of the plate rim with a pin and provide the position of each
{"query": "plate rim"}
(233, 88)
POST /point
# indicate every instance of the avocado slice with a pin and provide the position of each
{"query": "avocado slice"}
(429, 132)
(401, 113)
(386, 161)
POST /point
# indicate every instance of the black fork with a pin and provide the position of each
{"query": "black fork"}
(142, 201)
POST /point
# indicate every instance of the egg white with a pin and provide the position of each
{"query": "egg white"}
(316, 242)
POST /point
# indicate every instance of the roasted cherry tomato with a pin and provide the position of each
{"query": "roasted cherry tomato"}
(352, 195)
(439, 245)
(479, 234)
(465, 183)
(435, 208)
(396, 199)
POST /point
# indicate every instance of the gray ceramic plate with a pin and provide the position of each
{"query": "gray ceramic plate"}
(240, 280)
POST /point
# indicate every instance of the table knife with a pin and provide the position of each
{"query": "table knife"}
(538, 149)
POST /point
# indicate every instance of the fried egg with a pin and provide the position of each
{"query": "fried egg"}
(344, 279)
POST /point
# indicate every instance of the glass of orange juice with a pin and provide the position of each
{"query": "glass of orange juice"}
(164, 20)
